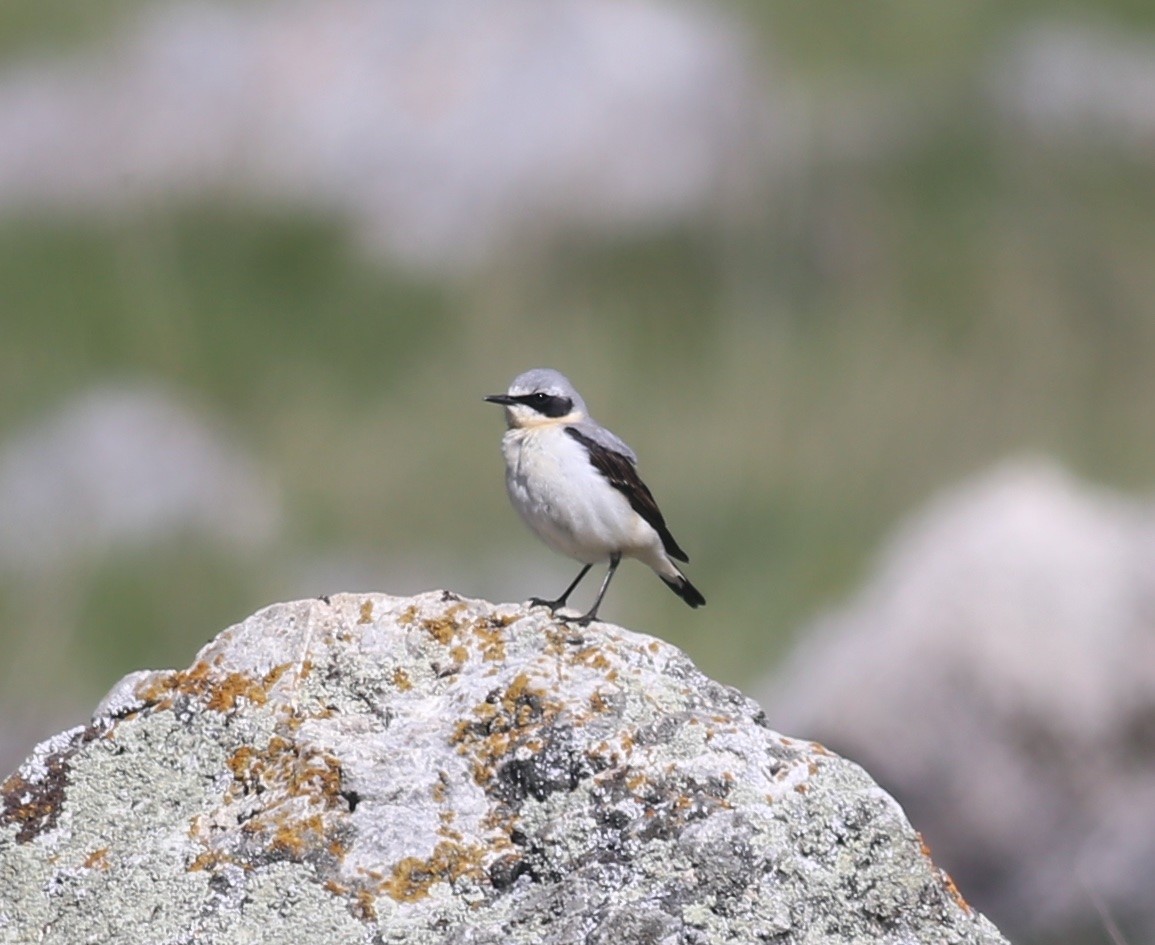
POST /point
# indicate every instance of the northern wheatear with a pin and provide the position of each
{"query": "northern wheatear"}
(576, 485)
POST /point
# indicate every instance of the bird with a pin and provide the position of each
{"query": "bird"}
(576, 485)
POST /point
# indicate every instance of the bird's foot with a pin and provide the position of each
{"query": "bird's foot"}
(553, 605)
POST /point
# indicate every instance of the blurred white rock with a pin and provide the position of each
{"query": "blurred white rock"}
(1080, 83)
(125, 467)
(445, 131)
(997, 673)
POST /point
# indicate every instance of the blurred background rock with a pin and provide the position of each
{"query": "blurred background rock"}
(260, 260)
(997, 672)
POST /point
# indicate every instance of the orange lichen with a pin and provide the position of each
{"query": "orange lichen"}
(241, 761)
(953, 891)
(604, 757)
(502, 723)
(497, 819)
(292, 802)
(207, 861)
(33, 806)
(161, 690)
(518, 688)
(234, 687)
(557, 640)
(401, 679)
(443, 628)
(283, 764)
(413, 877)
(482, 772)
(492, 639)
(365, 905)
(219, 693)
(944, 876)
(97, 859)
(592, 656)
(293, 837)
(366, 612)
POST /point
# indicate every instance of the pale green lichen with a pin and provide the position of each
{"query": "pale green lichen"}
(426, 770)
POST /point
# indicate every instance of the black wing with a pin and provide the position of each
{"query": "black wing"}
(621, 473)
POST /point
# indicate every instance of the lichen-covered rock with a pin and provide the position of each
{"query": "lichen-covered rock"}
(371, 769)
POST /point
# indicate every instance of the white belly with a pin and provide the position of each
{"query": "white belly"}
(566, 501)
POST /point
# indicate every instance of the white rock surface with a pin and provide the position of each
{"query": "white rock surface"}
(373, 769)
(997, 672)
(1080, 84)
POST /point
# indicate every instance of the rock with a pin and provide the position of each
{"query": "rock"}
(997, 672)
(126, 466)
(430, 769)
(441, 145)
(1075, 84)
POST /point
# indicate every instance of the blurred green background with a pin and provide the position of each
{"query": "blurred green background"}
(881, 327)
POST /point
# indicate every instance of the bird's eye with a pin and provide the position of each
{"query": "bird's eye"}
(539, 398)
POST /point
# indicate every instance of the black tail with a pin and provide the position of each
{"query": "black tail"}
(684, 589)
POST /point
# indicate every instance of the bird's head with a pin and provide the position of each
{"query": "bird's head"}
(538, 397)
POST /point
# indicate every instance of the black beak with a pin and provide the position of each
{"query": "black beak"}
(503, 399)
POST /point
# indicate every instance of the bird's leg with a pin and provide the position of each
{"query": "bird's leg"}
(591, 615)
(560, 602)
